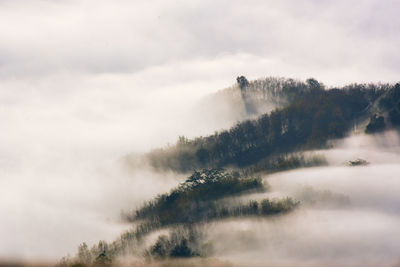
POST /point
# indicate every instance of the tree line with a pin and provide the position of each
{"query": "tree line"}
(314, 116)
(195, 202)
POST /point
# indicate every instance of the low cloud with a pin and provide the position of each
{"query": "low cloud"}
(361, 233)
(83, 83)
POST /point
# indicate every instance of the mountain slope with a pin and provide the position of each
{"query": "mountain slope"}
(311, 116)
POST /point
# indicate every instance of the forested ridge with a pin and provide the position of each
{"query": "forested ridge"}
(184, 210)
(195, 200)
(224, 166)
(312, 115)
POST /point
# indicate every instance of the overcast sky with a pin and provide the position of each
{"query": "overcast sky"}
(98, 60)
(85, 82)
(335, 41)
(112, 62)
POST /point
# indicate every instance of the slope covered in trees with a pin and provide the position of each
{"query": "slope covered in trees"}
(308, 115)
(312, 116)
(390, 103)
(249, 99)
(196, 201)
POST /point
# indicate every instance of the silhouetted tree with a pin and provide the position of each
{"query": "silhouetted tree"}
(313, 84)
(242, 81)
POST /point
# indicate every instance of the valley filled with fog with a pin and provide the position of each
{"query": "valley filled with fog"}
(199, 133)
(63, 175)
(361, 232)
(64, 186)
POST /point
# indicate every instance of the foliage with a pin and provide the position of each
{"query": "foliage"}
(309, 196)
(191, 243)
(286, 162)
(376, 124)
(308, 115)
(358, 162)
(314, 116)
(391, 104)
(98, 256)
(269, 207)
(194, 202)
(242, 81)
(191, 200)
(182, 242)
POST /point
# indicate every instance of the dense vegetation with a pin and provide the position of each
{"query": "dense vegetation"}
(276, 91)
(313, 116)
(376, 124)
(391, 104)
(307, 116)
(196, 200)
(181, 243)
(286, 162)
(205, 196)
(192, 200)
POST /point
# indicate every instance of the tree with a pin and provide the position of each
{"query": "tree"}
(376, 124)
(391, 104)
(182, 250)
(242, 81)
(313, 84)
(103, 260)
(84, 255)
(160, 248)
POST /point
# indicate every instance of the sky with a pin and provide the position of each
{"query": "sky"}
(335, 41)
(101, 63)
(83, 83)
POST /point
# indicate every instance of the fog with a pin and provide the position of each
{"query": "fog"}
(84, 83)
(62, 149)
(364, 232)
(64, 182)
(348, 216)
(63, 179)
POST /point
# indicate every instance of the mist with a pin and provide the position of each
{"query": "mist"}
(61, 159)
(67, 179)
(85, 83)
(361, 232)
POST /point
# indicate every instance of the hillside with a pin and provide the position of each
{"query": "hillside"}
(223, 181)
(184, 210)
(307, 116)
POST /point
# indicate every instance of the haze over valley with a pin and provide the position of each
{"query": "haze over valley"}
(199, 133)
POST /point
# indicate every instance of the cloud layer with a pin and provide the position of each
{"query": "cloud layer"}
(82, 83)
(336, 41)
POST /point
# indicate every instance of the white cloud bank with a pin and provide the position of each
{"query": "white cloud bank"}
(363, 233)
(84, 82)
